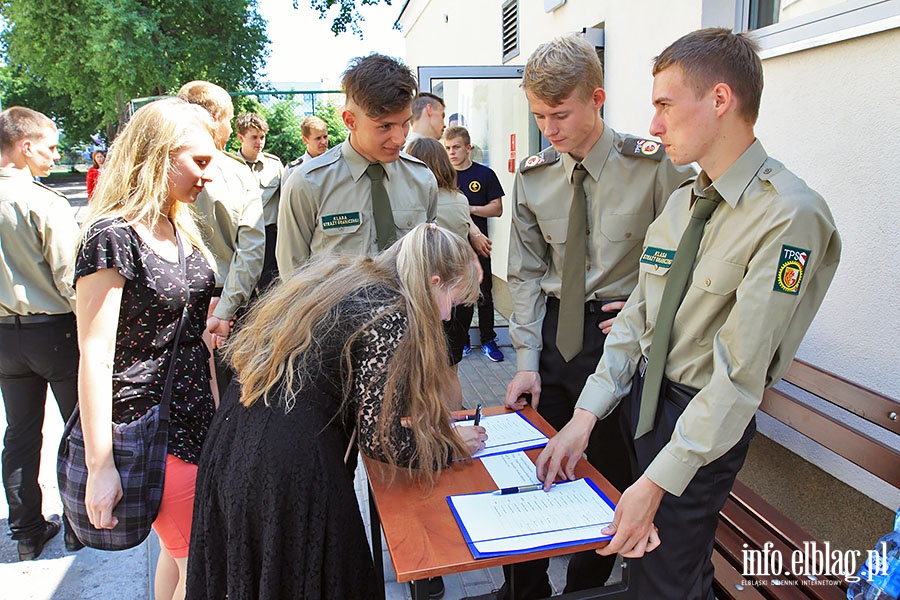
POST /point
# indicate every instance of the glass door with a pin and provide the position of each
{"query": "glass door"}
(490, 104)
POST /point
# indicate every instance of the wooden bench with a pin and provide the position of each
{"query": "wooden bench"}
(748, 523)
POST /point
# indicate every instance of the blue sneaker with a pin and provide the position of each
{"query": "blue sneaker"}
(491, 350)
(467, 351)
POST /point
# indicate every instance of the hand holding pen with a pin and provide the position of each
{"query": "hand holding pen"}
(475, 436)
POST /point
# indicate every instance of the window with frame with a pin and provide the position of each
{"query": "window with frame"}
(797, 24)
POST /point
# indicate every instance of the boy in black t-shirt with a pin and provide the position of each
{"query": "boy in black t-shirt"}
(485, 194)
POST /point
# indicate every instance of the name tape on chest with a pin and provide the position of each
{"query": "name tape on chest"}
(658, 257)
(791, 266)
(350, 219)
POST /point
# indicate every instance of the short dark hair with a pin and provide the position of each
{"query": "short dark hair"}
(251, 121)
(18, 123)
(458, 132)
(718, 55)
(379, 85)
(422, 100)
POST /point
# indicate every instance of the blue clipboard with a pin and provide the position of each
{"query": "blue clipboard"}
(576, 539)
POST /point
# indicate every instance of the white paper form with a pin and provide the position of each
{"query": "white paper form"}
(507, 433)
(511, 469)
(570, 513)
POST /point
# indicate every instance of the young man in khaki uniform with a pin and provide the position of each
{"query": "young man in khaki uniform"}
(268, 170)
(232, 215)
(769, 248)
(579, 213)
(314, 133)
(327, 204)
(427, 117)
(38, 342)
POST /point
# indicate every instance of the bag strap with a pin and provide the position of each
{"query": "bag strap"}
(170, 373)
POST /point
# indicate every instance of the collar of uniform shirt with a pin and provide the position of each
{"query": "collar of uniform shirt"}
(357, 163)
(734, 182)
(596, 158)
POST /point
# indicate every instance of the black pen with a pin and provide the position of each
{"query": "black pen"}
(477, 415)
(522, 488)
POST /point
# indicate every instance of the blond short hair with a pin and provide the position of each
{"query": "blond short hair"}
(213, 98)
(312, 123)
(561, 67)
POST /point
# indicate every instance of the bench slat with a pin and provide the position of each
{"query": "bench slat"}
(866, 403)
(867, 452)
(728, 579)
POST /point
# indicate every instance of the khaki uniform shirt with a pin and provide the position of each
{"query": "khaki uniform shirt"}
(453, 212)
(767, 256)
(232, 224)
(326, 205)
(628, 181)
(38, 238)
(268, 171)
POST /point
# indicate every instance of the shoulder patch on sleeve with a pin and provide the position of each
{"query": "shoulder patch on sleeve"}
(49, 189)
(635, 146)
(548, 156)
(791, 266)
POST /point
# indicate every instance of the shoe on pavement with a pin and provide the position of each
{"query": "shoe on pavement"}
(73, 544)
(491, 350)
(467, 350)
(31, 548)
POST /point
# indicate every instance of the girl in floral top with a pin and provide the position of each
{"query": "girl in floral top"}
(131, 291)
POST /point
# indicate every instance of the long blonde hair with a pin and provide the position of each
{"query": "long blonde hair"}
(277, 346)
(134, 186)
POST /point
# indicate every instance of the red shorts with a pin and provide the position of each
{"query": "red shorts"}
(173, 523)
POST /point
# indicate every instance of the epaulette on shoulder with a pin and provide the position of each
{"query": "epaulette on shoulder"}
(323, 160)
(411, 158)
(49, 189)
(234, 156)
(635, 146)
(547, 156)
(295, 163)
(272, 156)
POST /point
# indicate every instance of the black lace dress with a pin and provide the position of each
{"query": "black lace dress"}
(275, 513)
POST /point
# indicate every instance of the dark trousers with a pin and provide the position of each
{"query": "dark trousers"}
(561, 384)
(486, 302)
(681, 567)
(31, 356)
(269, 272)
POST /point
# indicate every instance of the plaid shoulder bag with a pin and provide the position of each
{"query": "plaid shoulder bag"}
(139, 451)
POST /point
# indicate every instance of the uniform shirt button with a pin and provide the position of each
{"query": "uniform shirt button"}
(549, 238)
(767, 170)
(708, 283)
(627, 235)
(656, 267)
(409, 223)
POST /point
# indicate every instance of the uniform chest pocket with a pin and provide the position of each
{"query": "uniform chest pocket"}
(625, 228)
(716, 276)
(406, 219)
(341, 223)
(554, 230)
(272, 181)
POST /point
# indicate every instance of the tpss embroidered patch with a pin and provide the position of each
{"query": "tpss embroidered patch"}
(790, 270)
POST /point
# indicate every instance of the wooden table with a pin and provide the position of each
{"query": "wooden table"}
(422, 535)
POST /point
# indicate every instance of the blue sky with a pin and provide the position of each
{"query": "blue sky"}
(303, 48)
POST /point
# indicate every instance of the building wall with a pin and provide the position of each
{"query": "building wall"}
(830, 113)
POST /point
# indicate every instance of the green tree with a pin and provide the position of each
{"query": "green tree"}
(347, 13)
(81, 60)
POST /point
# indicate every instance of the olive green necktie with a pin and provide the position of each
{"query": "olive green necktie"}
(673, 293)
(385, 230)
(570, 328)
